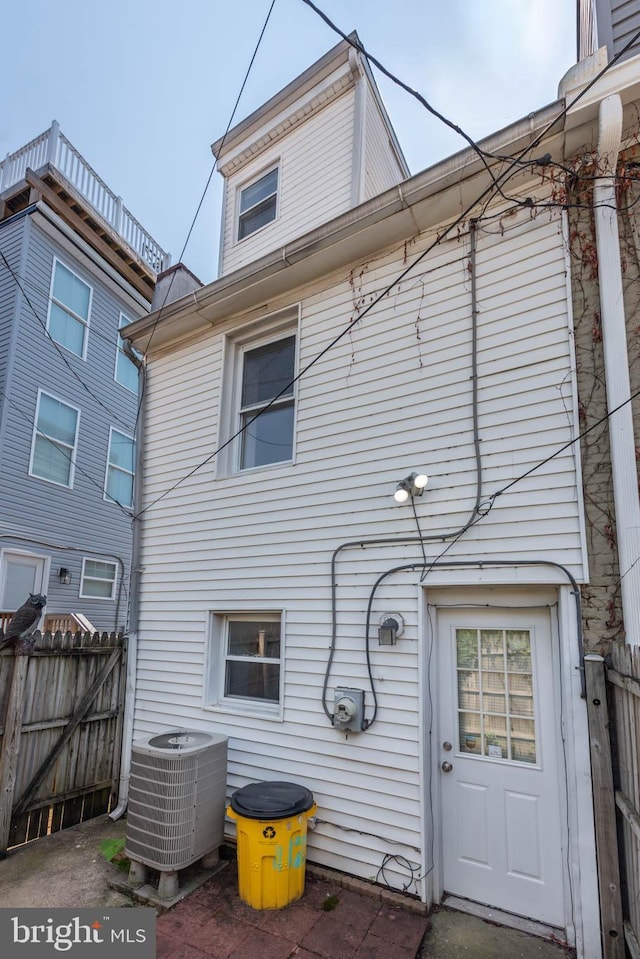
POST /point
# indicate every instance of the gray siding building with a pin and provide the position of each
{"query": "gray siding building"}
(608, 23)
(75, 268)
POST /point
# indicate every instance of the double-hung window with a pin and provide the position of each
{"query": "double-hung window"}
(258, 204)
(246, 663)
(267, 378)
(69, 309)
(98, 580)
(55, 440)
(126, 370)
(120, 468)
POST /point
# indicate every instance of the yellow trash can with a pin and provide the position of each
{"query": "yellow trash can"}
(271, 820)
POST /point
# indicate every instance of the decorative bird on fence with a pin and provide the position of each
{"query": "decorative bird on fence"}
(24, 622)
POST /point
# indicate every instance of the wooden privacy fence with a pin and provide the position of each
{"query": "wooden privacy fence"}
(61, 709)
(624, 685)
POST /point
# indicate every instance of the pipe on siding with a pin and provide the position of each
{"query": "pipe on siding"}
(134, 606)
(616, 364)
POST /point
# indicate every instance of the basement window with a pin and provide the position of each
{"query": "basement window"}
(258, 204)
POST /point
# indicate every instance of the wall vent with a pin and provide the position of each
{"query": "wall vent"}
(177, 796)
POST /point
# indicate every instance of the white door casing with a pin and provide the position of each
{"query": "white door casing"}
(503, 832)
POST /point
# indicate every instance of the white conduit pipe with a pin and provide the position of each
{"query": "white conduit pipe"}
(616, 362)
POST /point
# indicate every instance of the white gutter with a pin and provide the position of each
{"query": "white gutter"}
(616, 362)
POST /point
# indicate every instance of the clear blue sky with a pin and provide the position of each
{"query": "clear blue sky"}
(143, 88)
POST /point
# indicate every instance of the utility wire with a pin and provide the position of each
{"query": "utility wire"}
(486, 193)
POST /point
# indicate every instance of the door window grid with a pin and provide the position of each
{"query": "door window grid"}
(495, 694)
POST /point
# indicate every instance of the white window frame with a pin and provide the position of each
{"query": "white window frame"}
(106, 496)
(37, 432)
(121, 356)
(67, 309)
(268, 330)
(84, 577)
(214, 697)
(243, 187)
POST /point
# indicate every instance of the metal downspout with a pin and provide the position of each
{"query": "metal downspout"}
(132, 640)
(616, 363)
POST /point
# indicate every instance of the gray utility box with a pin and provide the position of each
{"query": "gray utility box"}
(348, 708)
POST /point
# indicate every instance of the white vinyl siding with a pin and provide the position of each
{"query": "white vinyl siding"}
(312, 187)
(55, 439)
(392, 396)
(69, 309)
(381, 169)
(120, 468)
(126, 370)
(98, 580)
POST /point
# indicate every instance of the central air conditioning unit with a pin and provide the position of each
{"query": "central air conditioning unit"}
(177, 796)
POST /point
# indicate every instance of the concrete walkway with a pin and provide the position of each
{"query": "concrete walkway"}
(329, 922)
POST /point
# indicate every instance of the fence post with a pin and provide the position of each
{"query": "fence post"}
(11, 747)
(604, 809)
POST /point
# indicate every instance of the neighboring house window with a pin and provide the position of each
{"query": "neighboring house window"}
(267, 371)
(55, 438)
(69, 310)
(98, 580)
(247, 661)
(120, 468)
(126, 369)
(258, 203)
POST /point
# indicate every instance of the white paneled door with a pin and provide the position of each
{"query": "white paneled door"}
(502, 825)
(20, 574)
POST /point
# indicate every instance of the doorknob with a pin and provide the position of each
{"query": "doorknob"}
(447, 747)
(446, 767)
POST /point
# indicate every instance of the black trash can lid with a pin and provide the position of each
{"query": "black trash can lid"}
(271, 800)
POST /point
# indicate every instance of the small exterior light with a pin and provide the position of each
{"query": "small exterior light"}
(64, 575)
(391, 626)
(412, 485)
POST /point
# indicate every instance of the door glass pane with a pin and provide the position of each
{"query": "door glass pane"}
(20, 580)
(495, 694)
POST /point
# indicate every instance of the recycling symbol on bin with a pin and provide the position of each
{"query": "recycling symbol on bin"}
(269, 832)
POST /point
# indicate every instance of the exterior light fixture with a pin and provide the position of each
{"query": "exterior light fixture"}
(391, 626)
(64, 575)
(412, 485)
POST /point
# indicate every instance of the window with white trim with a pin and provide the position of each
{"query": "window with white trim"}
(120, 468)
(55, 440)
(69, 309)
(258, 204)
(267, 402)
(126, 370)
(98, 579)
(246, 661)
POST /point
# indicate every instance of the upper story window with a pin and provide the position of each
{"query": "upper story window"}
(126, 370)
(55, 440)
(258, 204)
(120, 468)
(267, 370)
(69, 310)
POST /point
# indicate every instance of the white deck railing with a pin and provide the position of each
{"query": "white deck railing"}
(54, 148)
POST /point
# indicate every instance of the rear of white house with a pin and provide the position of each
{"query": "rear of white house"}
(285, 402)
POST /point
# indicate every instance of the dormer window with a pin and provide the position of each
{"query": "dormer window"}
(258, 204)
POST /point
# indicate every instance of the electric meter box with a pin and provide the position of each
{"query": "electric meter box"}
(348, 708)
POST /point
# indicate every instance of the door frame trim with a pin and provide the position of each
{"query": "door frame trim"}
(582, 910)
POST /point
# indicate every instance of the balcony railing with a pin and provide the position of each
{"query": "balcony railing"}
(54, 148)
